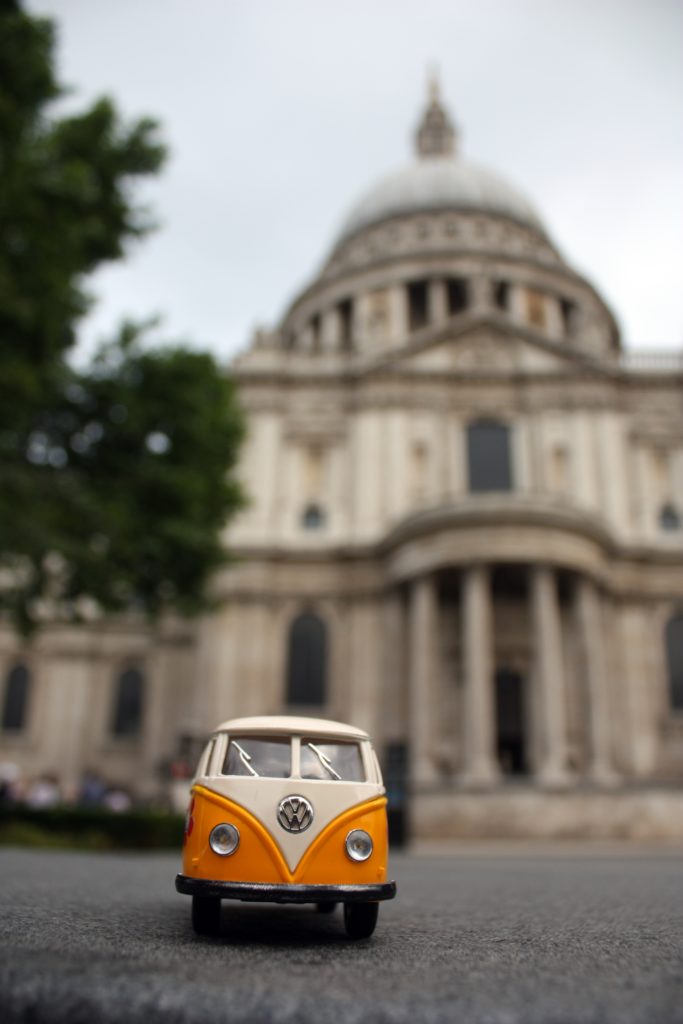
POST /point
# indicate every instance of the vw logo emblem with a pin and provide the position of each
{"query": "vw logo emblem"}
(295, 813)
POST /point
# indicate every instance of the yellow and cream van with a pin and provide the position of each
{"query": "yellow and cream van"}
(287, 810)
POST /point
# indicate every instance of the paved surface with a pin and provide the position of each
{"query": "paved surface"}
(498, 937)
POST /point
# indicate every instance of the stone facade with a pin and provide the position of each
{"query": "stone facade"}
(465, 535)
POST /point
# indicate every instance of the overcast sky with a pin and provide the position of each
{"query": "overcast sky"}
(280, 113)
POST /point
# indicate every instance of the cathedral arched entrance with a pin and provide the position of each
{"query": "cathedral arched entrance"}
(511, 732)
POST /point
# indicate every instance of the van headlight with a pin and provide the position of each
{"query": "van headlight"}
(358, 844)
(224, 839)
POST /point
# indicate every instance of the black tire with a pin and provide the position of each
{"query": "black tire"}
(206, 915)
(328, 907)
(360, 919)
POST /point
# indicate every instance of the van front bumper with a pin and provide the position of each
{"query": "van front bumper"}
(262, 892)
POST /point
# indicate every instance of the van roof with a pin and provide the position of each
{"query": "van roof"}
(291, 724)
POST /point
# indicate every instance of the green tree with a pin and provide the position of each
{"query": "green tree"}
(115, 480)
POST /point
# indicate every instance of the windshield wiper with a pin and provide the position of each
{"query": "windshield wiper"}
(324, 760)
(245, 758)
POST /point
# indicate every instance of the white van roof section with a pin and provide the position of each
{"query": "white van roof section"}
(287, 724)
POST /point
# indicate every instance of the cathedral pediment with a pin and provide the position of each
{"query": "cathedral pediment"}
(488, 349)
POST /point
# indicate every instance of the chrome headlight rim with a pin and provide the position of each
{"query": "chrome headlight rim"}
(224, 839)
(358, 845)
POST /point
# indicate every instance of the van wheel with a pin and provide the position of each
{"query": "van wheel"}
(327, 907)
(360, 919)
(206, 915)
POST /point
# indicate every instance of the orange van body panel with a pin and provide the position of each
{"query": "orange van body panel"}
(258, 857)
(326, 861)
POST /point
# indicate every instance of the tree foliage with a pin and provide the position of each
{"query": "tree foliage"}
(115, 479)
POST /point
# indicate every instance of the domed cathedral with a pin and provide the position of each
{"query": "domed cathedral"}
(465, 534)
(465, 523)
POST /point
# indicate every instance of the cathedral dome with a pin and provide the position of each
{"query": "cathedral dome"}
(439, 179)
(440, 183)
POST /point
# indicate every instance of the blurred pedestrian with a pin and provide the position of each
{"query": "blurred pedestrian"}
(117, 800)
(9, 783)
(92, 789)
(44, 792)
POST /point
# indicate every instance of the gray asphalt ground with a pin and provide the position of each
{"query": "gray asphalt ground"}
(497, 935)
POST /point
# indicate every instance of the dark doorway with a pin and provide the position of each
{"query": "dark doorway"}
(396, 782)
(510, 731)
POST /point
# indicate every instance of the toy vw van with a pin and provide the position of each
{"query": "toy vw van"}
(287, 810)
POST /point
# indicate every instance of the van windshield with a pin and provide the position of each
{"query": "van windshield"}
(341, 762)
(258, 757)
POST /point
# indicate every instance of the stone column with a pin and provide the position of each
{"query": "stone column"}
(481, 293)
(517, 303)
(481, 766)
(438, 302)
(398, 305)
(554, 322)
(330, 330)
(591, 628)
(550, 693)
(423, 662)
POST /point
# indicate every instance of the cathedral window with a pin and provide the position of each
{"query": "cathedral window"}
(418, 305)
(501, 294)
(457, 295)
(345, 313)
(488, 456)
(674, 657)
(315, 333)
(128, 703)
(568, 313)
(313, 517)
(15, 700)
(669, 517)
(307, 662)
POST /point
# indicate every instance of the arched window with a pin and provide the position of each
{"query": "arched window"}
(128, 702)
(674, 656)
(488, 456)
(307, 661)
(669, 519)
(313, 517)
(15, 699)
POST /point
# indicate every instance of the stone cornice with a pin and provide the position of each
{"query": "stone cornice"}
(590, 544)
(487, 511)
